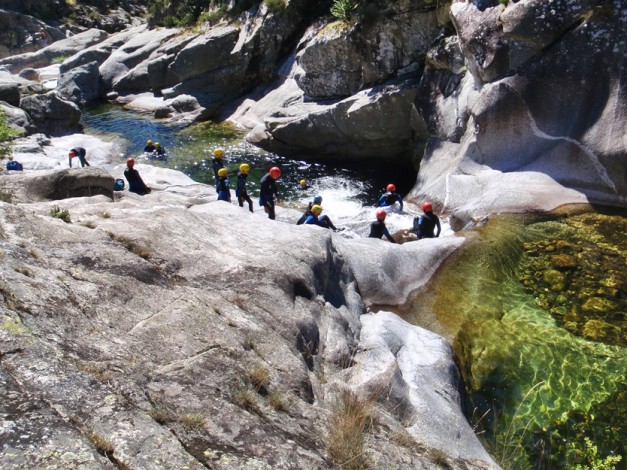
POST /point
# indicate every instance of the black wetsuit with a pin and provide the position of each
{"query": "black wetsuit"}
(267, 194)
(150, 148)
(378, 229)
(224, 191)
(389, 199)
(135, 182)
(80, 153)
(216, 164)
(425, 225)
(306, 214)
(241, 192)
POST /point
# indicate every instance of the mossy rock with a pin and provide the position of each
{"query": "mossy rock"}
(598, 305)
(563, 261)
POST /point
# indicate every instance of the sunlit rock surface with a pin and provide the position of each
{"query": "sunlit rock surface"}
(173, 330)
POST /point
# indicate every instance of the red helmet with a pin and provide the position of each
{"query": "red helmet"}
(381, 214)
(72, 154)
(391, 188)
(130, 162)
(427, 207)
(275, 172)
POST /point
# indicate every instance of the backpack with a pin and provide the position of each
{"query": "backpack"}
(118, 184)
(15, 166)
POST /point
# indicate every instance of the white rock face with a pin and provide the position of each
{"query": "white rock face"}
(190, 330)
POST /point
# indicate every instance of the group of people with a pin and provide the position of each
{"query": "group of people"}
(155, 151)
(424, 226)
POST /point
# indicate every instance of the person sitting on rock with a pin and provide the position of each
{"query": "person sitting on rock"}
(149, 148)
(224, 192)
(240, 190)
(217, 163)
(390, 197)
(378, 228)
(316, 200)
(79, 152)
(425, 224)
(321, 221)
(135, 182)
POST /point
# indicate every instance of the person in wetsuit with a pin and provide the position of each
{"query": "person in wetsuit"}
(223, 189)
(425, 225)
(378, 228)
(149, 148)
(79, 152)
(240, 190)
(217, 163)
(316, 200)
(268, 191)
(314, 218)
(135, 182)
(390, 197)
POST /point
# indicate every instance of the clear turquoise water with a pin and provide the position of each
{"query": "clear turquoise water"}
(526, 375)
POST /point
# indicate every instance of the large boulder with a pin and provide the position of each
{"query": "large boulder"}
(81, 84)
(68, 183)
(10, 93)
(132, 54)
(337, 61)
(373, 124)
(17, 118)
(549, 133)
(51, 113)
(63, 48)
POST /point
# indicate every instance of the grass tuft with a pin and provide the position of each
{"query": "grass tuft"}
(346, 438)
(259, 378)
(63, 214)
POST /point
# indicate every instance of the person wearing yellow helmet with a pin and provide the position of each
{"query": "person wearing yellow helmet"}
(160, 151)
(314, 218)
(217, 163)
(149, 148)
(302, 184)
(240, 189)
(224, 191)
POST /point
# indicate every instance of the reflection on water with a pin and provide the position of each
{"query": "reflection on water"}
(532, 382)
(348, 192)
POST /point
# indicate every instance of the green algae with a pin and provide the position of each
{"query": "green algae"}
(534, 308)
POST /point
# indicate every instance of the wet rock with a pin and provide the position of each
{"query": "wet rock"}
(10, 93)
(563, 261)
(597, 330)
(555, 279)
(598, 305)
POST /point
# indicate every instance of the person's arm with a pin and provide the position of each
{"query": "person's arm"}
(419, 230)
(387, 235)
(400, 200)
(380, 202)
(437, 223)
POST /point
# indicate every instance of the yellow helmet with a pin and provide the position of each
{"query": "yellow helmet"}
(149, 142)
(244, 168)
(218, 153)
(157, 144)
(316, 209)
(303, 182)
(222, 172)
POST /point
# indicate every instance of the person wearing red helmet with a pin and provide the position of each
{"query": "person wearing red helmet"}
(268, 192)
(378, 228)
(390, 197)
(425, 224)
(135, 182)
(79, 152)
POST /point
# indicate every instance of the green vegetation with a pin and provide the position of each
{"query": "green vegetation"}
(63, 214)
(188, 13)
(275, 5)
(7, 134)
(192, 421)
(213, 131)
(343, 9)
(593, 461)
(59, 60)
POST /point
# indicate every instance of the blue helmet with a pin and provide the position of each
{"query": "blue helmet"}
(317, 199)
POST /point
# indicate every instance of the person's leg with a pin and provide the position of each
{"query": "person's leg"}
(250, 203)
(269, 205)
(240, 201)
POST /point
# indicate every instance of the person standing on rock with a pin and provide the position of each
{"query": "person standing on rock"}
(135, 182)
(390, 197)
(425, 224)
(240, 190)
(378, 228)
(223, 188)
(217, 163)
(79, 152)
(268, 192)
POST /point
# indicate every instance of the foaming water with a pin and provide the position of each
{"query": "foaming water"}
(349, 193)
